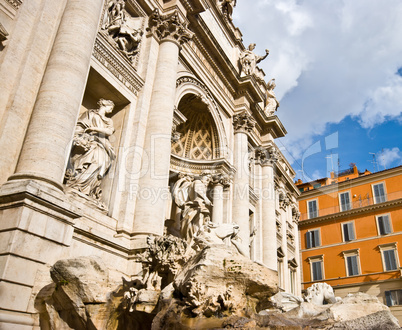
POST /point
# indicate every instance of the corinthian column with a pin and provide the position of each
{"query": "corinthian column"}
(243, 124)
(267, 159)
(153, 185)
(55, 112)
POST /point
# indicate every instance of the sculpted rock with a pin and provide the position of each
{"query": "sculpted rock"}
(217, 281)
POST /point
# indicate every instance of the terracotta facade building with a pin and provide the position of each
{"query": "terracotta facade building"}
(351, 234)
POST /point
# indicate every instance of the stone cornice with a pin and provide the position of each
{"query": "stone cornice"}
(169, 27)
(360, 210)
(195, 167)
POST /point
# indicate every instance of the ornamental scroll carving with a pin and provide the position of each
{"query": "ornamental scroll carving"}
(267, 156)
(118, 24)
(169, 27)
(243, 122)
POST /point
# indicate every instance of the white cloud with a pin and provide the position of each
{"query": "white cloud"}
(331, 59)
(389, 157)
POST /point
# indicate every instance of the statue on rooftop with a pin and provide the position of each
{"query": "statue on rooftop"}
(249, 60)
(227, 8)
(271, 103)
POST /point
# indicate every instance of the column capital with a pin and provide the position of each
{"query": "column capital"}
(266, 156)
(222, 179)
(169, 28)
(243, 122)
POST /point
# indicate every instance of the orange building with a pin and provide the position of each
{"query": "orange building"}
(350, 234)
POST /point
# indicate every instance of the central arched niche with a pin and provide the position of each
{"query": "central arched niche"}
(198, 134)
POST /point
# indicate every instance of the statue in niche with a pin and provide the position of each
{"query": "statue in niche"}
(92, 153)
(116, 24)
(271, 103)
(227, 8)
(190, 194)
(249, 60)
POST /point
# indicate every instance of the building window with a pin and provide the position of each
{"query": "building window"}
(344, 201)
(348, 231)
(352, 263)
(317, 268)
(393, 297)
(312, 209)
(389, 256)
(384, 225)
(379, 193)
(312, 238)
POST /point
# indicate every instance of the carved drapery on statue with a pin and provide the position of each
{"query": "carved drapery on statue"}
(271, 103)
(92, 153)
(249, 60)
(190, 195)
(118, 25)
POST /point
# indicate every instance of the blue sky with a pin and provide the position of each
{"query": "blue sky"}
(338, 70)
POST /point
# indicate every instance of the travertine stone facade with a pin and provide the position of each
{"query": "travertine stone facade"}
(81, 178)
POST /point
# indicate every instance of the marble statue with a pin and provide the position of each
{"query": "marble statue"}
(116, 24)
(190, 194)
(227, 8)
(271, 103)
(249, 60)
(92, 153)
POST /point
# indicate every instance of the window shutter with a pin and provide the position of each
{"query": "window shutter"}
(309, 239)
(386, 224)
(316, 238)
(317, 274)
(389, 258)
(351, 232)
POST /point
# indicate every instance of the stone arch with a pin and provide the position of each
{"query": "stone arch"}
(194, 100)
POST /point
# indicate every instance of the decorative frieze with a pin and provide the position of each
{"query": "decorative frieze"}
(243, 123)
(169, 27)
(106, 55)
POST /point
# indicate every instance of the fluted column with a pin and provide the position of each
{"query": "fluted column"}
(243, 124)
(267, 159)
(153, 185)
(54, 115)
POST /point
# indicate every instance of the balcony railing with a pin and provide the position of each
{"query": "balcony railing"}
(358, 202)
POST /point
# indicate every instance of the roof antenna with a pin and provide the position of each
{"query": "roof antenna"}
(374, 161)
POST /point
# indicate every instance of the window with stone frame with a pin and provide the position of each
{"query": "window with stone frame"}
(389, 255)
(352, 262)
(379, 195)
(313, 238)
(384, 224)
(393, 297)
(317, 268)
(312, 207)
(344, 201)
